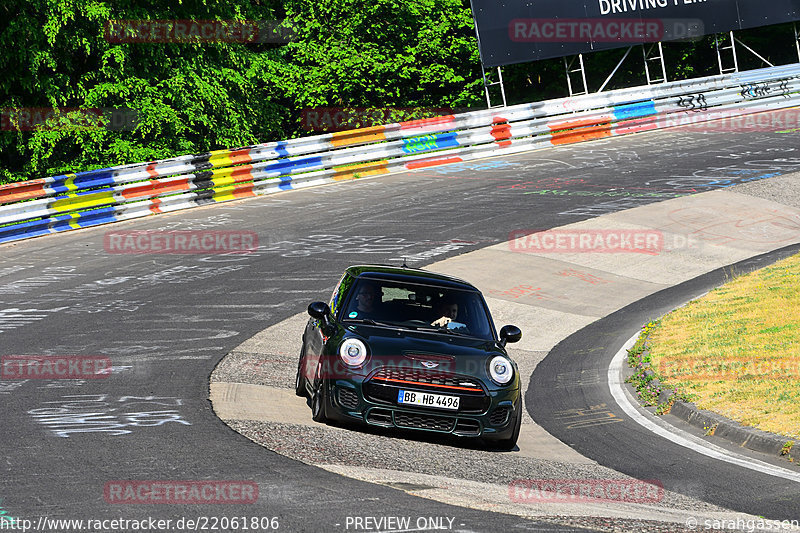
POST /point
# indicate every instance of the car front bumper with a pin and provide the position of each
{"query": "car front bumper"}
(494, 419)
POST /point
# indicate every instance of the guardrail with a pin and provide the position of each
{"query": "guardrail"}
(84, 199)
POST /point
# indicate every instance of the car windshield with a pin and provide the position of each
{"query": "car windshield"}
(421, 307)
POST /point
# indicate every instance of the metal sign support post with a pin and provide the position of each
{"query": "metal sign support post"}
(647, 53)
(487, 84)
(797, 40)
(608, 79)
(570, 71)
(753, 52)
(732, 48)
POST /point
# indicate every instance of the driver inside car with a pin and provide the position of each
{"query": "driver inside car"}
(367, 301)
(447, 310)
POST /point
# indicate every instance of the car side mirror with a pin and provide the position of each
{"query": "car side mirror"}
(319, 310)
(510, 334)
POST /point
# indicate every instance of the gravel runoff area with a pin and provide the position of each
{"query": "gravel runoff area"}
(334, 447)
(782, 189)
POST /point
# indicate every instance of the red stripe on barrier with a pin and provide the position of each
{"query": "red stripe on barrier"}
(635, 125)
(154, 187)
(154, 207)
(23, 190)
(244, 192)
(578, 132)
(423, 122)
(151, 170)
(434, 163)
(501, 131)
(241, 156)
(242, 174)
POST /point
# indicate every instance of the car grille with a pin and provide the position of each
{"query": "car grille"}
(499, 416)
(347, 398)
(420, 421)
(465, 426)
(380, 417)
(435, 380)
(383, 386)
(445, 424)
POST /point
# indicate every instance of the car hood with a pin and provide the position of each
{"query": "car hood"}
(429, 351)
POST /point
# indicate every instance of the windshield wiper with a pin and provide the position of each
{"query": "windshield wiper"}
(443, 330)
(369, 321)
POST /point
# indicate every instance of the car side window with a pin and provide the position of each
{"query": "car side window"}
(340, 293)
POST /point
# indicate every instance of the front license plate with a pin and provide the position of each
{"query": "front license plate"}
(426, 399)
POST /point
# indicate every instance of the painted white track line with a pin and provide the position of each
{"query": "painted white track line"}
(625, 400)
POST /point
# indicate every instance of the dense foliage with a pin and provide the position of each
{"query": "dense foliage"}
(197, 96)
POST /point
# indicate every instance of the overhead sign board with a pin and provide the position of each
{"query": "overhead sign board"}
(518, 31)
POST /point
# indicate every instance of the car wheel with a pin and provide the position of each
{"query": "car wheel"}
(508, 444)
(318, 401)
(299, 380)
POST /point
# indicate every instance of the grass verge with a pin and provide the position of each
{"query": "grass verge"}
(735, 351)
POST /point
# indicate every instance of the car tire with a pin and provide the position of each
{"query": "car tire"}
(508, 444)
(319, 401)
(299, 380)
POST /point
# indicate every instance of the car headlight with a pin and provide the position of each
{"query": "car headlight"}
(353, 352)
(501, 370)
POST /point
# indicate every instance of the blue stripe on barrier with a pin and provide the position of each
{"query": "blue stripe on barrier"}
(77, 193)
(425, 143)
(281, 149)
(287, 166)
(83, 180)
(97, 216)
(95, 178)
(286, 184)
(22, 230)
(635, 110)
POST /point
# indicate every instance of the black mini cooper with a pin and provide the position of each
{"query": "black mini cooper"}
(407, 348)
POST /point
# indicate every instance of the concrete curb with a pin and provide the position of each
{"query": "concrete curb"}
(719, 426)
(725, 428)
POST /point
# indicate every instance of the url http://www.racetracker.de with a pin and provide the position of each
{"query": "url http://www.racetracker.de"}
(199, 523)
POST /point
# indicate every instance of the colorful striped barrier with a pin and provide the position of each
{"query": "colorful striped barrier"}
(125, 192)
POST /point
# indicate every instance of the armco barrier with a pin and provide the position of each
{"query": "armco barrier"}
(72, 201)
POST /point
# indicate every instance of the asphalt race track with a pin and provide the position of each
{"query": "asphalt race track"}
(646, 456)
(166, 320)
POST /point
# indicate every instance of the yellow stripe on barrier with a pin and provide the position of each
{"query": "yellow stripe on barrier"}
(220, 158)
(69, 183)
(351, 137)
(226, 158)
(226, 176)
(84, 201)
(73, 221)
(373, 168)
(233, 192)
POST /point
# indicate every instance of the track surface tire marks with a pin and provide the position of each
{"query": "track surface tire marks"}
(166, 320)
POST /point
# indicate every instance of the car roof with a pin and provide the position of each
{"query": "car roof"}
(413, 275)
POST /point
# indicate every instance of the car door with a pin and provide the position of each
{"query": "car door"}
(315, 337)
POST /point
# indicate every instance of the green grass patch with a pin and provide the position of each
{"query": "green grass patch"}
(735, 351)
